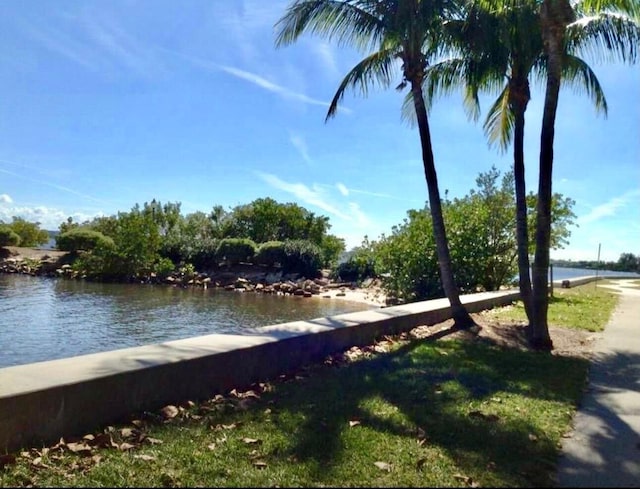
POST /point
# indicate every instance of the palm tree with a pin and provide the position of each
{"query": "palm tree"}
(558, 26)
(500, 40)
(406, 30)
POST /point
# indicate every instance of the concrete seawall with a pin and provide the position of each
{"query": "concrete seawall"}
(40, 402)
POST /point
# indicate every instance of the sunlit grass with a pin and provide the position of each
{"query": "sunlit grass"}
(586, 307)
(442, 414)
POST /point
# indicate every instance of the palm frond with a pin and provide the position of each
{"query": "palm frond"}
(346, 21)
(498, 125)
(375, 69)
(579, 76)
(605, 36)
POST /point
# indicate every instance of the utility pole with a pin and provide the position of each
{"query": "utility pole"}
(598, 264)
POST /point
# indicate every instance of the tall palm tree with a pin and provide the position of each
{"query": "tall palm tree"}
(558, 27)
(409, 31)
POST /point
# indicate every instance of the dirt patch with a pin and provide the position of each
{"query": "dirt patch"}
(19, 253)
(508, 334)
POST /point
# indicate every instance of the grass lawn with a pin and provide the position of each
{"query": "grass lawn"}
(425, 413)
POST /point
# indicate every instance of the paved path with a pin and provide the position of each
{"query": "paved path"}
(604, 450)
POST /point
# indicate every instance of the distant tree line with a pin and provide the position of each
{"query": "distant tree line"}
(628, 262)
(156, 238)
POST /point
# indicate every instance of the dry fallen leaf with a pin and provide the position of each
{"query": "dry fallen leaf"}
(259, 464)
(383, 466)
(127, 432)
(146, 458)
(533, 437)
(125, 446)
(80, 448)
(467, 480)
(170, 411)
(251, 441)
(354, 422)
(211, 446)
(154, 441)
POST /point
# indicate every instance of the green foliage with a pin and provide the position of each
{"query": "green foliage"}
(163, 267)
(267, 220)
(29, 232)
(562, 217)
(155, 230)
(481, 230)
(235, 250)
(302, 257)
(332, 248)
(360, 264)
(85, 239)
(408, 259)
(8, 237)
(271, 253)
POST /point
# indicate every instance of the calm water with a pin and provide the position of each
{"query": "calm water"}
(44, 318)
(561, 273)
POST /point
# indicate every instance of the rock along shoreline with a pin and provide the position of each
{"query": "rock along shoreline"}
(244, 277)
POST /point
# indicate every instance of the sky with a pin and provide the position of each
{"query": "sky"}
(107, 104)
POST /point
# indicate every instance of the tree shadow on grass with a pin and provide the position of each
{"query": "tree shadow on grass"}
(449, 393)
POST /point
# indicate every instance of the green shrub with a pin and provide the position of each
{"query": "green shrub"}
(29, 232)
(270, 253)
(203, 253)
(302, 257)
(8, 237)
(163, 267)
(355, 269)
(235, 250)
(82, 239)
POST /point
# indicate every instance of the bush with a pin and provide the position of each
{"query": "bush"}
(163, 267)
(355, 270)
(8, 237)
(82, 239)
(302, 257)
(270, 253)
(235, 250)
(29, 232)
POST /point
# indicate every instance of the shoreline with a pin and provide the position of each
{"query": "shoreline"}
(371, 295)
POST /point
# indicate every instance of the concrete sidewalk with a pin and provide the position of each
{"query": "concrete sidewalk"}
(604, 450)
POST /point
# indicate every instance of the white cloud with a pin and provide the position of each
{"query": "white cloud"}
(48, 217)
(327, 55)
(361, 218)
(5, 199)
(611, 207)
(273, 87)
(342, 189)
(304, 193)
(300, 144)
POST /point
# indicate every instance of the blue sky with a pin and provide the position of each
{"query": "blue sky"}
(105, 104)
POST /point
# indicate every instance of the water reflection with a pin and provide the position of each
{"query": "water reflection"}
(44, 319)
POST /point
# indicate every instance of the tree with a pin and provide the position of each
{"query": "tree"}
(557, 26)
(407, 30)
(8, 237)
(482, 239)
(29, 232)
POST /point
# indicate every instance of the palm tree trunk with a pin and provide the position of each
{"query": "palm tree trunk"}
(554, 16)
(461, 317)
(522, 231)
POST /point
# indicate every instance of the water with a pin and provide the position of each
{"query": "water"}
(562, 273)
(46, 318)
